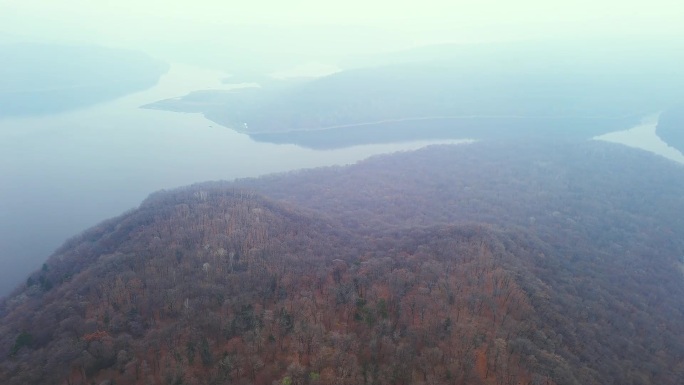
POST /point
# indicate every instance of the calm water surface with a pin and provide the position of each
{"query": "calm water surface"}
(64, 173)
(644, 136)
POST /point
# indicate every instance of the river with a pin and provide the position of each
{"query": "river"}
(61, 174)
(64, 173)
(644, 136)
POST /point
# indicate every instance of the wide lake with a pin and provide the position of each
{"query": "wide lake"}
(61, 174)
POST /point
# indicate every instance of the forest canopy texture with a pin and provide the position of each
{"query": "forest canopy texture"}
(488, 263)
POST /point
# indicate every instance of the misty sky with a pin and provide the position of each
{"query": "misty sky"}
(349, 25)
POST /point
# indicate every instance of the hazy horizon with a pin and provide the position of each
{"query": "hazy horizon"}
(176, 30)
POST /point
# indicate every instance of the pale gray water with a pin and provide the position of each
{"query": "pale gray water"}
(644, 136)
(63, 173)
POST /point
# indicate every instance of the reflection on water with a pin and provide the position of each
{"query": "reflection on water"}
(644, 136)
(63, 173)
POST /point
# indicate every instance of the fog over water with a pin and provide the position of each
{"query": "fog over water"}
(353, 192)
(64, 173)
(644, 136)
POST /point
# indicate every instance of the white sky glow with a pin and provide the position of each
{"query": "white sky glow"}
(137, 23)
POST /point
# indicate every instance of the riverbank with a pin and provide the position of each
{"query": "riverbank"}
(66, 172)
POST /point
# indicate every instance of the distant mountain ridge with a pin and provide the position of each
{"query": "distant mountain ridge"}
(39, 79)
(574, 90)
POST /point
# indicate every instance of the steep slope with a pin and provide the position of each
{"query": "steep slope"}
(101, 297)
(210, 286)
(372, 274)
(611, 216)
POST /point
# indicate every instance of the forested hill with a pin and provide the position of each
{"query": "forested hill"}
(569, 90)
(587, 187)
(474, 264)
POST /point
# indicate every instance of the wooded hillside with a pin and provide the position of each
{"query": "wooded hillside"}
(477, 264)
